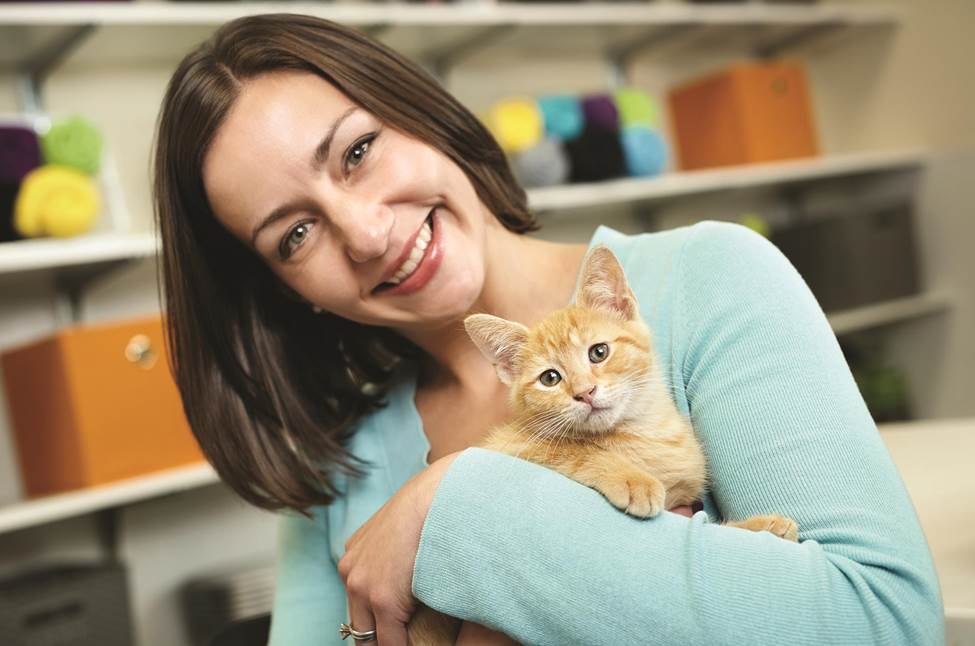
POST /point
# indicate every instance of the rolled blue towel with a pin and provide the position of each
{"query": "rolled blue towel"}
(563, 116)
(645, 151)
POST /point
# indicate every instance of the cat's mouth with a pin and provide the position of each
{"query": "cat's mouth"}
(598, 418)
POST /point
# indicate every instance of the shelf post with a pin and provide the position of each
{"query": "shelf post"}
(35, 70)
(443, 58)
(620, 56)
(107, 528)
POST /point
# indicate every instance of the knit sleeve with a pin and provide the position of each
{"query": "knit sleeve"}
(309, 599)
(522, 549)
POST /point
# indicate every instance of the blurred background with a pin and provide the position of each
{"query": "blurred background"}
(844, 131)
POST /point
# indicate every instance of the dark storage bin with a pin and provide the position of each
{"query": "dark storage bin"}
(218, 604)
(857, 258)
(76, 605)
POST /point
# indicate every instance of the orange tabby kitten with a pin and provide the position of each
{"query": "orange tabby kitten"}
(589, 401)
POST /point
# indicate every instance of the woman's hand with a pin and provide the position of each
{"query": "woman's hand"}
(377, 567)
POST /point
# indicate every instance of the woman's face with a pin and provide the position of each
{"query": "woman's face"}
(360, 219)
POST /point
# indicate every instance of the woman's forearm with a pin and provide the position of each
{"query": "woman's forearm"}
(551, 562)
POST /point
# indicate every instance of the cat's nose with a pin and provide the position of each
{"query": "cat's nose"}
(585, 395)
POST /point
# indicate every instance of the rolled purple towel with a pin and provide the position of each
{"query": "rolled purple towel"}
(20, 152)
(601, 113)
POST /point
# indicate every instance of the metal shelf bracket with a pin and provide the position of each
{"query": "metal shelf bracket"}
(35, 70)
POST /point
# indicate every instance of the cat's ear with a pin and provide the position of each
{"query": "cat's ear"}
(603, 285)
(499, 340)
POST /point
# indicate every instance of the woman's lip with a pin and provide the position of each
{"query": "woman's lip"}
(429, 264)
(407, 250)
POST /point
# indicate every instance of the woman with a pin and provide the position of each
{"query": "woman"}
(329, 216)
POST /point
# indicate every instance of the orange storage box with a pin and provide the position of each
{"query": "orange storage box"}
(750, 112)
(94, 404)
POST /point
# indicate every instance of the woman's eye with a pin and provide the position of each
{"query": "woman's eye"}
(598, 352)
(294, 239)
(358, 151)
(550, 378)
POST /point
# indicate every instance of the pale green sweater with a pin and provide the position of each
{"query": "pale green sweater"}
(753, 361)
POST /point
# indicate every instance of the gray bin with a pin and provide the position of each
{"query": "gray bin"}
(855, 259)
(76, 605)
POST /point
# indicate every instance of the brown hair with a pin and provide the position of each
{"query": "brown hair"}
(272, 391)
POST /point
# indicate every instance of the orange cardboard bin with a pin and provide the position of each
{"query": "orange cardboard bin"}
(95, 403)
(750, 112)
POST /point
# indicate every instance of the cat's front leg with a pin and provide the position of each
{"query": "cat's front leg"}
(626, 486)
(780, 526)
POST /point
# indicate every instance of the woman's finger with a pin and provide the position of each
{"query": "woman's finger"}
(360, 617)
(391, 632)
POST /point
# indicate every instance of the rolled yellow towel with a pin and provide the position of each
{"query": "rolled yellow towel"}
(516, 123)
(56, 201)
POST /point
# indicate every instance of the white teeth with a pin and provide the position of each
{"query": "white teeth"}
(408, 267)
(416, 254)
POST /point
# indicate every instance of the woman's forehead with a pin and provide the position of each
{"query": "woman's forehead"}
(264, 143)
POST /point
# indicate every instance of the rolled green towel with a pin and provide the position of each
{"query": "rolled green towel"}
(636, 107)
(73, 142)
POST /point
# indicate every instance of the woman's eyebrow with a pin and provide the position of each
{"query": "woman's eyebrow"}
(319, 157)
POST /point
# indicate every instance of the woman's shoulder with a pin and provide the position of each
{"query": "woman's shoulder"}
(657, 246)
(666, 262)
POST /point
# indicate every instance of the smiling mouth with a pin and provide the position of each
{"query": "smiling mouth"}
(421, 243)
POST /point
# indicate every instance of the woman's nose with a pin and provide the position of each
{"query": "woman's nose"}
(363, 228)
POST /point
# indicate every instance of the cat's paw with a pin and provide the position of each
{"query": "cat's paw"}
(638, 495)
(780, 526)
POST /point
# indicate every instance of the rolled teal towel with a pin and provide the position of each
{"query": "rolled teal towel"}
(563, 116)
(644, 150)
(74, 142)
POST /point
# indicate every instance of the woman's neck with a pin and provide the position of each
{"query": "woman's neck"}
(525, 279)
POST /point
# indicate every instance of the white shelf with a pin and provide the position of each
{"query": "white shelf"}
(461, 13)
(894, 311)
(670, 185)
(81, 251)
(67, 505)
(165, 31)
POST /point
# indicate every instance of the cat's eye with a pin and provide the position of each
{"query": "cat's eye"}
(598, 352)
(550, 378)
